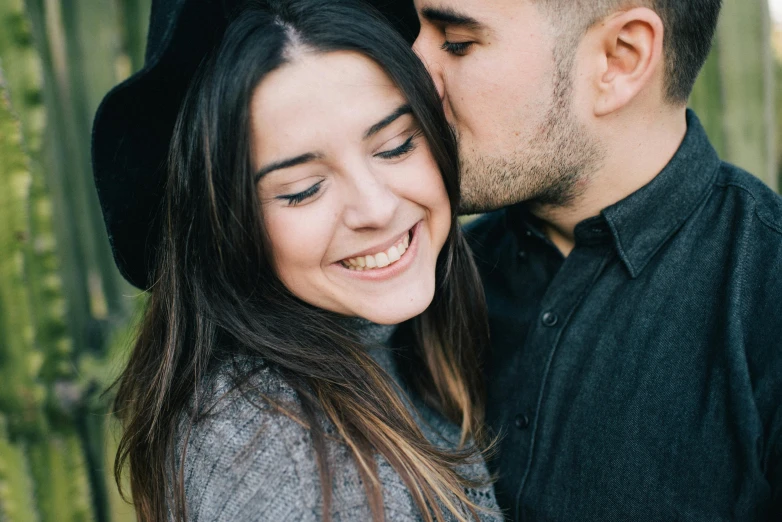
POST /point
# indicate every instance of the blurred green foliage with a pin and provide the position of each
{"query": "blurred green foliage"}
(65, 312)
(738, 95)
(67, 317)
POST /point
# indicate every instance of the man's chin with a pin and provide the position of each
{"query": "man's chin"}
(474, 204)
(489, 183)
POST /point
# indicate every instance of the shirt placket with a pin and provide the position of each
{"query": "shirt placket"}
(578, 274)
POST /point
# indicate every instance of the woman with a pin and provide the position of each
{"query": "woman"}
(311, 198)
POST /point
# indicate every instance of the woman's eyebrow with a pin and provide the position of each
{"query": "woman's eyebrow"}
(312, 156)
(288, 163)
(388, 120)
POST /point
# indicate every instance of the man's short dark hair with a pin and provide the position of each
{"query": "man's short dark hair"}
(689, 30)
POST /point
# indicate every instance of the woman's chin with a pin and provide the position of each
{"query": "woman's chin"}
(394, 311)
(390, 317)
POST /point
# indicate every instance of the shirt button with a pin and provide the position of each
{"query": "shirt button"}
(522, 255)
(549, 319)
(521, 421)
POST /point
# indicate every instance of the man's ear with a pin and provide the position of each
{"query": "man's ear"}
(630, 45)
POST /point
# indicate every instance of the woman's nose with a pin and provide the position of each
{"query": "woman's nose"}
(371, 203)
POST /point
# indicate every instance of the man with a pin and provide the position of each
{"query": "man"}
(634, 281)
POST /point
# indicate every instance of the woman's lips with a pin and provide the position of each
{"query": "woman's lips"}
(384, 265)
(380, 259)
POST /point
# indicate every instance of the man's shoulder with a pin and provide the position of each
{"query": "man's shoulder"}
(760, 203)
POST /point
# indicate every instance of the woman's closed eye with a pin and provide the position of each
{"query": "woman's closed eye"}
(403, 149)
(295, 199)
(398, 152)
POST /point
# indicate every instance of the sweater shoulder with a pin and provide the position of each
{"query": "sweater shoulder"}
(244, 458)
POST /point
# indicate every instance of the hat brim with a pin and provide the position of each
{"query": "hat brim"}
(134, 124)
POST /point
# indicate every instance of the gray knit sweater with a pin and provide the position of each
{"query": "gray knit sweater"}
(247, 462)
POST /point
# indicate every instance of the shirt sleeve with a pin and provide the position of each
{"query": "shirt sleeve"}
(766, 336)
(773, 464)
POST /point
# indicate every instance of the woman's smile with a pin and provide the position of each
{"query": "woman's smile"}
(385, 263)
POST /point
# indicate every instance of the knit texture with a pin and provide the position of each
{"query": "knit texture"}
(245, 461)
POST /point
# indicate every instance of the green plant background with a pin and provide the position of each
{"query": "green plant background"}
(66, 315)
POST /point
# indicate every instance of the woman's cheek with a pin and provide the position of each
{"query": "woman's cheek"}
(299, 239)
(432, 195)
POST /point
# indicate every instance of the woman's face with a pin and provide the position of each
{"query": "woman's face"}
(353, 201)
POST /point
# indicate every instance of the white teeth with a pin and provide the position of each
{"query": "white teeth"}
(393, 254)
(381, 260)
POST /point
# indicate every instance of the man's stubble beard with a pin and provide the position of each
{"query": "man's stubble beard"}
(551, 170)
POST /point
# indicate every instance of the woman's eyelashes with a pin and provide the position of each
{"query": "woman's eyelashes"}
(398, 152)
(295, 199)
(404, 148)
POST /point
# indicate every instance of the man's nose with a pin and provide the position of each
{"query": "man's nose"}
(425, 49)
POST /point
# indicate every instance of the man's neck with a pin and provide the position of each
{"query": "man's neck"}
(636, 154)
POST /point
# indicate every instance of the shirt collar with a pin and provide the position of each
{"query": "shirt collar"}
(644, 221)
(640, 224)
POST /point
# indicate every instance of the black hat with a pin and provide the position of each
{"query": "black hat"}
(135, 122)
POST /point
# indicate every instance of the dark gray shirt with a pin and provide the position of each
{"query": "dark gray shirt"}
(641, 377)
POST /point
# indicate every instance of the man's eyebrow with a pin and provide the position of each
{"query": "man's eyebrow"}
(449, 16)
(388, 120)
(288, 163)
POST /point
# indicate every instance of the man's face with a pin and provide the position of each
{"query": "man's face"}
(507, 91)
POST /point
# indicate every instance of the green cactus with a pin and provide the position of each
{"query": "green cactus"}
(60, 67)
(17, 502)
(46, 462)
(21, 397)
(778, 90)
(44, 279)
(20, 360)
(736, 93)
(747, 67)
(48, 443)
(53, 159)
(92, 47)
(58, 468)
(706, 100)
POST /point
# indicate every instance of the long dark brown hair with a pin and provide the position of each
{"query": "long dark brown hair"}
(216, 294)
